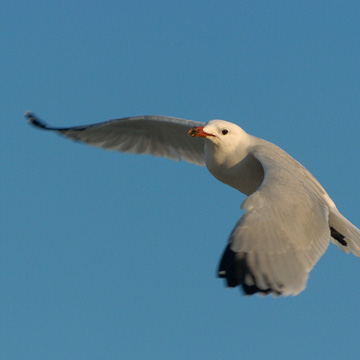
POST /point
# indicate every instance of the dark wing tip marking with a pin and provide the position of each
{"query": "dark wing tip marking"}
(33, 120)
(337, 236)
(235, 270)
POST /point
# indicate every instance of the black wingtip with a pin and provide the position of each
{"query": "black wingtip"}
(33, 120)
(236, 272)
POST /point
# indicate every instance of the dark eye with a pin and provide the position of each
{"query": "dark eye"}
(225, 131)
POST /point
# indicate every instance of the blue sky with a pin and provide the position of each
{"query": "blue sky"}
(113, 256)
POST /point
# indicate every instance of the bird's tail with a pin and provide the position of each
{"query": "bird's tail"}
(344, 234)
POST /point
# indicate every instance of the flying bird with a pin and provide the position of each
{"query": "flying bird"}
(289, 219)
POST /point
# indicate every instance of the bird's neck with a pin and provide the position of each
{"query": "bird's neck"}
(242, 172)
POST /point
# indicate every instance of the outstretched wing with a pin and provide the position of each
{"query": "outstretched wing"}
(283, 232)
(156, 135)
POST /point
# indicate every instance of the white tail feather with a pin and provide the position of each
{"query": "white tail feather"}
(348, 230)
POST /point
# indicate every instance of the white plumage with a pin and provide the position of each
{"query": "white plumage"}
(289, 218)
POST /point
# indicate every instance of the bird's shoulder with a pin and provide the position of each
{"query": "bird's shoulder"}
(284, 175)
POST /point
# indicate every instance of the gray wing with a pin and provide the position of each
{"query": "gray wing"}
(283, 232)
(156, 135)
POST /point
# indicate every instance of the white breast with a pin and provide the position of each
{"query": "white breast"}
(245, 174)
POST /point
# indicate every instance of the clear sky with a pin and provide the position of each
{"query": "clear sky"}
(113, 256)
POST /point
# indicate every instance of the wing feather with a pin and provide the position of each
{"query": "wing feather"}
(156, 135)
(284, 230)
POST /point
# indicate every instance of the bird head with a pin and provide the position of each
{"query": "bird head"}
(221, 134)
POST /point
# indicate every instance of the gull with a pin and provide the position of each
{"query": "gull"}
(289, 219)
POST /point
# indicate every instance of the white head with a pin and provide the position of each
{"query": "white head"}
(226, 144)
(226, 154)
(220, 135)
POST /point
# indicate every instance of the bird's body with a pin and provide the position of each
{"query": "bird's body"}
(289, 218)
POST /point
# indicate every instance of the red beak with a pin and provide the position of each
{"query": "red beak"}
(198, 131)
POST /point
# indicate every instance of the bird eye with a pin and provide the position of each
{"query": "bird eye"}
(225, 131)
